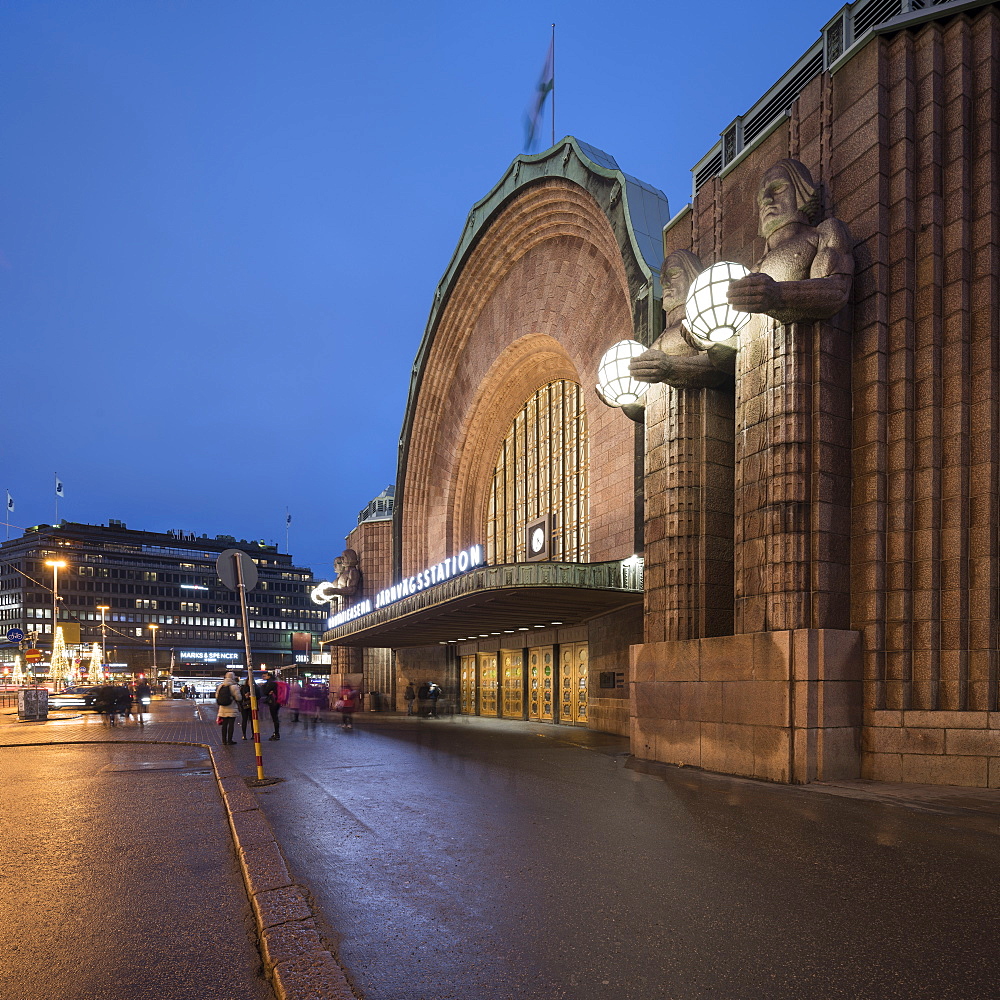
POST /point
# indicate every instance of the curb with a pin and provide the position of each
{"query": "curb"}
(299, 966)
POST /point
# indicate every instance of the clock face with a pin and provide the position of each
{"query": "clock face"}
(537, 540)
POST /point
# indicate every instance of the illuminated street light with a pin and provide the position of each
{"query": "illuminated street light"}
(153, 628)
(56, 564)
(707, 312)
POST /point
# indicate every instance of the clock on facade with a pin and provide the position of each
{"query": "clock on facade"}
(537, 534)
(537, 541)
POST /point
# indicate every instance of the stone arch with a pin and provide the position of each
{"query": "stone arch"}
(544, 286)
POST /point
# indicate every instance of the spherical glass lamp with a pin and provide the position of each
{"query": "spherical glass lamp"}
(614, 383)
(707, 312)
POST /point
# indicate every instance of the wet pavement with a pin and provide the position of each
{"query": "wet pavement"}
(470, 858)
(485, 860)
(119, 877)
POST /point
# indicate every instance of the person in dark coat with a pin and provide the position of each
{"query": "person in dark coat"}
(433, 693)
(269, 690)
(123, 701)
(408, 695)
(246, 708)
(143, 697)
(104, 704)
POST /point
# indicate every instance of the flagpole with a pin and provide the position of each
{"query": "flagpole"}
(286, 529)
(553, 84)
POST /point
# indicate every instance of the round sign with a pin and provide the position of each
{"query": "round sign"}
(225, 566)
(14, 635)
(32, 655)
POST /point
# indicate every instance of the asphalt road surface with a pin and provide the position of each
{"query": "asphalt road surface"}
(119, 878)
(485, 861)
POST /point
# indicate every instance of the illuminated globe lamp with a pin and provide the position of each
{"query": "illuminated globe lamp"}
(707, 312)
(614, 383)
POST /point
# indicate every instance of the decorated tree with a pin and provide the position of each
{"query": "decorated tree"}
(95, 672)
(60, 666)
(17, 677)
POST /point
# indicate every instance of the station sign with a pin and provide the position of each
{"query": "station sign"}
(467, 559)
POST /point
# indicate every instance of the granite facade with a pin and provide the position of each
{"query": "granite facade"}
(864, 450)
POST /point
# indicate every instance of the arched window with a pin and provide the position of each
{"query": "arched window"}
(542, 469)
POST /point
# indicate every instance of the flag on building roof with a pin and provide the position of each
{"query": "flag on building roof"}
(546, 84)
(10, 502)
(59, 487)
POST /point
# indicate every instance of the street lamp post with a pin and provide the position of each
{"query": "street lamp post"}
(104, 636)
(153, 629)
(56, 564)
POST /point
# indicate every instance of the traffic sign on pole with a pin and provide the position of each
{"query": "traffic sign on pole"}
(14, 635)
(225, 566)
(32, 655)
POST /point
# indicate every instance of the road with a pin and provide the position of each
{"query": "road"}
(477, 859)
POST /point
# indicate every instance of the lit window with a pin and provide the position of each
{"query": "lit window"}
(542, 468)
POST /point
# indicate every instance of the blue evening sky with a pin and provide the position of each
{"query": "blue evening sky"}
(222, 223)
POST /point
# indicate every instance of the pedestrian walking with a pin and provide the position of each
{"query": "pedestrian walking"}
(122, 702)
(433, 693)
(270, 692)
(143, 697)
(408, 695)
(104, 704)
(423, 693)
(228, 697)
(295, 693)
(347, 702)
(246, 705)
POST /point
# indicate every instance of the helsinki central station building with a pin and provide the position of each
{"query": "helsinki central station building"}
(783, 560)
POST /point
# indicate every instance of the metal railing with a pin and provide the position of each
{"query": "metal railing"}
(847, 29)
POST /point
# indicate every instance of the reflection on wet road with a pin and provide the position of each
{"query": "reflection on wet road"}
(477, 860)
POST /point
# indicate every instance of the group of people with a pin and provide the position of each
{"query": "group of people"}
(119, 702)
(234, 701)
(426, 697)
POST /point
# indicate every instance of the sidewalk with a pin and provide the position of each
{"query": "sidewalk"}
(134, 856)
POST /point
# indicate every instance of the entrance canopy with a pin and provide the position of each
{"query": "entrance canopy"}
(510, 600)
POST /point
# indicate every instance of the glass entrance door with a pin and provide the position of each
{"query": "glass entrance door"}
(540, 690)
(467, 685)
(487, 683)
(513, 697)
(573, 682)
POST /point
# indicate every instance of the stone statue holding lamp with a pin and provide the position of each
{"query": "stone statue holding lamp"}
(673, 358)
(805, 275)
(806, 271)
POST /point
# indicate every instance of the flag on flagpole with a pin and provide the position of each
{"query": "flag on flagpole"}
(546, 84)
(10, 502)
(288, 520)
(59, 487)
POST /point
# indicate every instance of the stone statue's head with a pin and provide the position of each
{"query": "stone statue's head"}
(350, 558)
(679, 269)
(786, 194)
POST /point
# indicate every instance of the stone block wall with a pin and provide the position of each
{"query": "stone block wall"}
(372, 540)
(608, 639)
(782, 706)
(901, 543)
